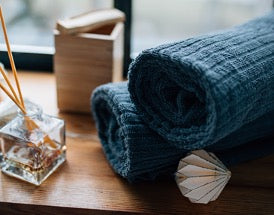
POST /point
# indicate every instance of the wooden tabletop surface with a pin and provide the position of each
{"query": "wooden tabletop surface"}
(86, 184)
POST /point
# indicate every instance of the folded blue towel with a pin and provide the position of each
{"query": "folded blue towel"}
(195, 92)
(214, 92)
(138, 153)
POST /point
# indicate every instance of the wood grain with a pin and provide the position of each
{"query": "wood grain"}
(84, 61)
(86, 184)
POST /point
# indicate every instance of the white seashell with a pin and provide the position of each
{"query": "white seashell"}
(201, 176)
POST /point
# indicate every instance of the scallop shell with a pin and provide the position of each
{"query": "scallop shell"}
(201, 176)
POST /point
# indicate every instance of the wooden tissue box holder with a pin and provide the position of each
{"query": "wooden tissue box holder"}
(84, 61)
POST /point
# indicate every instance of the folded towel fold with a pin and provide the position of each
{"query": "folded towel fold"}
(131, 147)
(196, 92)
(137, 152)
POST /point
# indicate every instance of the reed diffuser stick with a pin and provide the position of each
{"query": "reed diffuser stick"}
(13, 99)
(31, 125)
(11, 57)
(9, 84)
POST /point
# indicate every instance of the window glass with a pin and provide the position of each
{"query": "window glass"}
(156, 22)
(31, 22)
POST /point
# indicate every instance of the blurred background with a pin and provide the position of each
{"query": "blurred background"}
(31, 22)
(156, 22)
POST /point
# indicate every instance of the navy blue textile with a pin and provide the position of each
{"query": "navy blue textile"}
(137, 152)
(197, 91)
(214, 92)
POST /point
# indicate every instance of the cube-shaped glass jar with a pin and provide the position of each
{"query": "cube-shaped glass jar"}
(33, 145)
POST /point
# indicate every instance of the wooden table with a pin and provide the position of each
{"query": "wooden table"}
(86, 184)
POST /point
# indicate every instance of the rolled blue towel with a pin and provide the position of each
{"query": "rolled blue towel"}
(196, 92)
(137, 152)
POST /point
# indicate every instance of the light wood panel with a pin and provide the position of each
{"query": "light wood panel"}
(84, 61)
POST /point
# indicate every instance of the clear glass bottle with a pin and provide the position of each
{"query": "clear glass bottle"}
(33, 145)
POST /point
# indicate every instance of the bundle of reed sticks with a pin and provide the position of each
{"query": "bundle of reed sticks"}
(19, 101)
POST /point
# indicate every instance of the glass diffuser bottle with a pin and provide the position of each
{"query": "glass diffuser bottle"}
(33, 145)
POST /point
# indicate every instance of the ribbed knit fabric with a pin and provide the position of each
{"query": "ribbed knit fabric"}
(132, 148)
(195, 92)
(214, 92)
(138, 153)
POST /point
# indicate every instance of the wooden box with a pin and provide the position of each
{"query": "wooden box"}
(84, 61)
